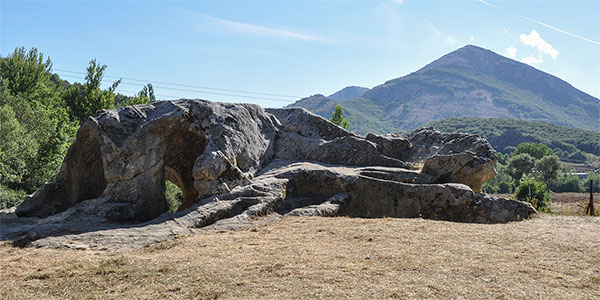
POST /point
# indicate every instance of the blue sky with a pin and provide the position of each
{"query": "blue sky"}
(296, 48)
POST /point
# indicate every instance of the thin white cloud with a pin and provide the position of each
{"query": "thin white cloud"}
(438, 35)
(398, 1)
(541, 23)
(506, 32)
(534, 40)
(561, 31)
(488, 4)
(390, 15)
(531, 60)
(257, 30)
(511, 52)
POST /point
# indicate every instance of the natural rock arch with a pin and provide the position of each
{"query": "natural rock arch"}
(181, 150)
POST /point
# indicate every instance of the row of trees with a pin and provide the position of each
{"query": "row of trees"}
(39, 115)
(531, 171)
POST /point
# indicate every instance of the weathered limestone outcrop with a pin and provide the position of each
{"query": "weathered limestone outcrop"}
(236, 164)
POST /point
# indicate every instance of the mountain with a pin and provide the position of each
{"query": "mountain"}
(469, 82)
(348, 93)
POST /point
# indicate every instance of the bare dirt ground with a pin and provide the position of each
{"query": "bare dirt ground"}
(548, 257)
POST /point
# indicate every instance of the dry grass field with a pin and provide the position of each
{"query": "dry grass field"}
(573, 203)
(548, 257)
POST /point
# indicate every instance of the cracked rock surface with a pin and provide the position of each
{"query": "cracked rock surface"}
(238, 164)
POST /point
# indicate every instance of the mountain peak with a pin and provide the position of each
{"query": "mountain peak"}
(470, 56)
(470, 81)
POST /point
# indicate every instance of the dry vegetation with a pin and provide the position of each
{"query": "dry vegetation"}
(573, 204)
(568, 204)
(548, 257)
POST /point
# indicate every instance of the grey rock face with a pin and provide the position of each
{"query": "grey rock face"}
(464, 158)
(237, 164)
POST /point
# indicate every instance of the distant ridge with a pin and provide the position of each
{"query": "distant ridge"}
(505, 134)
(348, 93)
(468, 82)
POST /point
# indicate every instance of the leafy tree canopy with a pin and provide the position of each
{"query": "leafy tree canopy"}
(536, 151)
(84, 100)
(520, 165)
(34, 123)
(24, 71)
(337, 118)
(547, 167)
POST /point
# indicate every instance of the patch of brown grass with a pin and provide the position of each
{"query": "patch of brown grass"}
(573, 204)
(549, 257)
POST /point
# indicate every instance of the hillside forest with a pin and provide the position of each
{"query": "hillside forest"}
(40, 114)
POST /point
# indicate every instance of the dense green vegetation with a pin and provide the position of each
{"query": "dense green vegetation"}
(39, 115)
(534, 192)
(568, 143)
(531, 166)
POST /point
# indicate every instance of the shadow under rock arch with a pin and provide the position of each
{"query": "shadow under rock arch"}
(181, 150)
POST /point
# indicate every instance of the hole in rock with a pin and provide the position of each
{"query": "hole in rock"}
(182, 149)
(173, 195)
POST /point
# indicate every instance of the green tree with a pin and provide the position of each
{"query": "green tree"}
(17, 148)
(547, 168)
(24, 71)
(536, 151)
(35, 130)
(596, 178)
(520, 165)
(534, 192)
(566, 182)
(84, 100)
(146, 95)
(337, 118)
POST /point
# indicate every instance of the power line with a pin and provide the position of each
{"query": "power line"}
(194, 91)
(187, 85)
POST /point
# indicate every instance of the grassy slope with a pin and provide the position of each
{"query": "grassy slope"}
(501, 133)
(365, 117)
(550, 257)
(363, 114)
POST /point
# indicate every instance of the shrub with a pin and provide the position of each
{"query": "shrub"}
(10, 197)
(534, 192)
(173, 195)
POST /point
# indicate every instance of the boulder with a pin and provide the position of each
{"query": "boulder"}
(238, 163)
(464, 158)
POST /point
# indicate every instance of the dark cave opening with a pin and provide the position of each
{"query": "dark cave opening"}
(85, 174)
(182, 149)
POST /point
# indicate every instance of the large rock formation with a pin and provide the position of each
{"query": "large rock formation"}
(235, 163)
